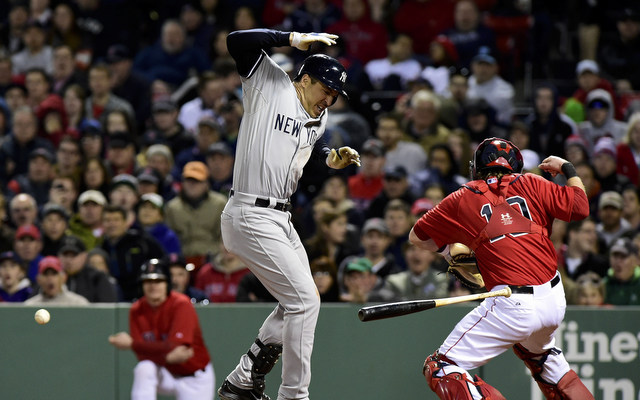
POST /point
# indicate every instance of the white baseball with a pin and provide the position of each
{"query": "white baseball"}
(42, 316)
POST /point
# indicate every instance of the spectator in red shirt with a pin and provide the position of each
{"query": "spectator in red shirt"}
(367, 183)
(423, 20)
(365, 39)
(219, 279)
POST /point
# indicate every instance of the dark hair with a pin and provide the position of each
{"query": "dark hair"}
(105, 173)
(324, 263)
(113, 208)
(101, 66)
(398, 205)
(205, 78)
(224, 67)
(576, 225)
(41, 71)
(397, 117)
(131, 124)
(454, 168)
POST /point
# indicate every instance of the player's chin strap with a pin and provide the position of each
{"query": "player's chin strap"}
(504, 219)
(451, 382)
(263, 363)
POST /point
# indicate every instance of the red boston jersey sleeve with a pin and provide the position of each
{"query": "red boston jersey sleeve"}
(514, 258)
(157, 331)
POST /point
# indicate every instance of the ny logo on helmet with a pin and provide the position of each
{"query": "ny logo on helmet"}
(343, 77)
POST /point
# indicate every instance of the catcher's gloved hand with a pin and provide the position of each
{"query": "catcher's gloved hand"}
(302, 41)
(462, 264)
(343, 157)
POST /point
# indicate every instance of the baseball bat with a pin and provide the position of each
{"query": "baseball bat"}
(391, 310)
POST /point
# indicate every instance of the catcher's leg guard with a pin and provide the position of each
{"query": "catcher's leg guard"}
(451, 382)
(263, 363)
(570, 387)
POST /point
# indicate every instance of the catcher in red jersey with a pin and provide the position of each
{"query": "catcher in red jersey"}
(167, 340)
(505, 217)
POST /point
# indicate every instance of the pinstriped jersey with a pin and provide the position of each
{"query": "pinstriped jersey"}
(276, 134)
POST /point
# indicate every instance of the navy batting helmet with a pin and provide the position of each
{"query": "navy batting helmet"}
(154, 269)
(327, 70)
(495, 154)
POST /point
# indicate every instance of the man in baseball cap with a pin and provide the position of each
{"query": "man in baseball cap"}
(93, 196)
(87, 223)
(220, 160)
(14, 285)
(148, 180)
(611, 225)
(82, 279)
(180, 271)
(622, 284)
(195, 214)
(375, 241)
(151, 217)
(51, 278)
(359, 281)
(195, 170)
(54, 223)
(121, 152)
(125, 192)
(27, 244)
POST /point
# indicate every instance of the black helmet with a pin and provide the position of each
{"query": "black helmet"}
(154, 269)
(327, 70)
(496, 154)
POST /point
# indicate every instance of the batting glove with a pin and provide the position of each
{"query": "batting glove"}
(343, 157)
(303, 41)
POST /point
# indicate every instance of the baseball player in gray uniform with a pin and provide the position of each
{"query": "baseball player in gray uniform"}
(280, 131)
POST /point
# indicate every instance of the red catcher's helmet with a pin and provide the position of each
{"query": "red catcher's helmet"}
(495, 154)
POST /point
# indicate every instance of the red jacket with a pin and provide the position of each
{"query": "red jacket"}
(219, 286)
(157, 331)
(626, 163)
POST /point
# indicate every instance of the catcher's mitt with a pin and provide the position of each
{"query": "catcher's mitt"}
(462, 264)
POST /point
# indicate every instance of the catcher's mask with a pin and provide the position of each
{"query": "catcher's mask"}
(495, 154)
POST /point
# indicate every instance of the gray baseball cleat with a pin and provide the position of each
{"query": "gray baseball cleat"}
(231, 392)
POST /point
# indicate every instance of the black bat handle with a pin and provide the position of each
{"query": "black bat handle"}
(390, 310)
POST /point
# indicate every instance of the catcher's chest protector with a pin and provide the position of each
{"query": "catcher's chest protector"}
(504, 219)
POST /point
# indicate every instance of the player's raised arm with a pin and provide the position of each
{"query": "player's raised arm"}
(246, 46)
(555, 165)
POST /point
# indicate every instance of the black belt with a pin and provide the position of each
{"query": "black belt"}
(260, 202)
(529, 289)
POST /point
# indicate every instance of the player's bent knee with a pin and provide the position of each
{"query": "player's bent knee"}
(145, 368)
(451, 382)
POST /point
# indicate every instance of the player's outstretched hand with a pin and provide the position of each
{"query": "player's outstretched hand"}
(302, 41)
(552, 165)
(343, 157)
(121, 340)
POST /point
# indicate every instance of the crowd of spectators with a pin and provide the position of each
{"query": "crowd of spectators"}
(118, 122)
